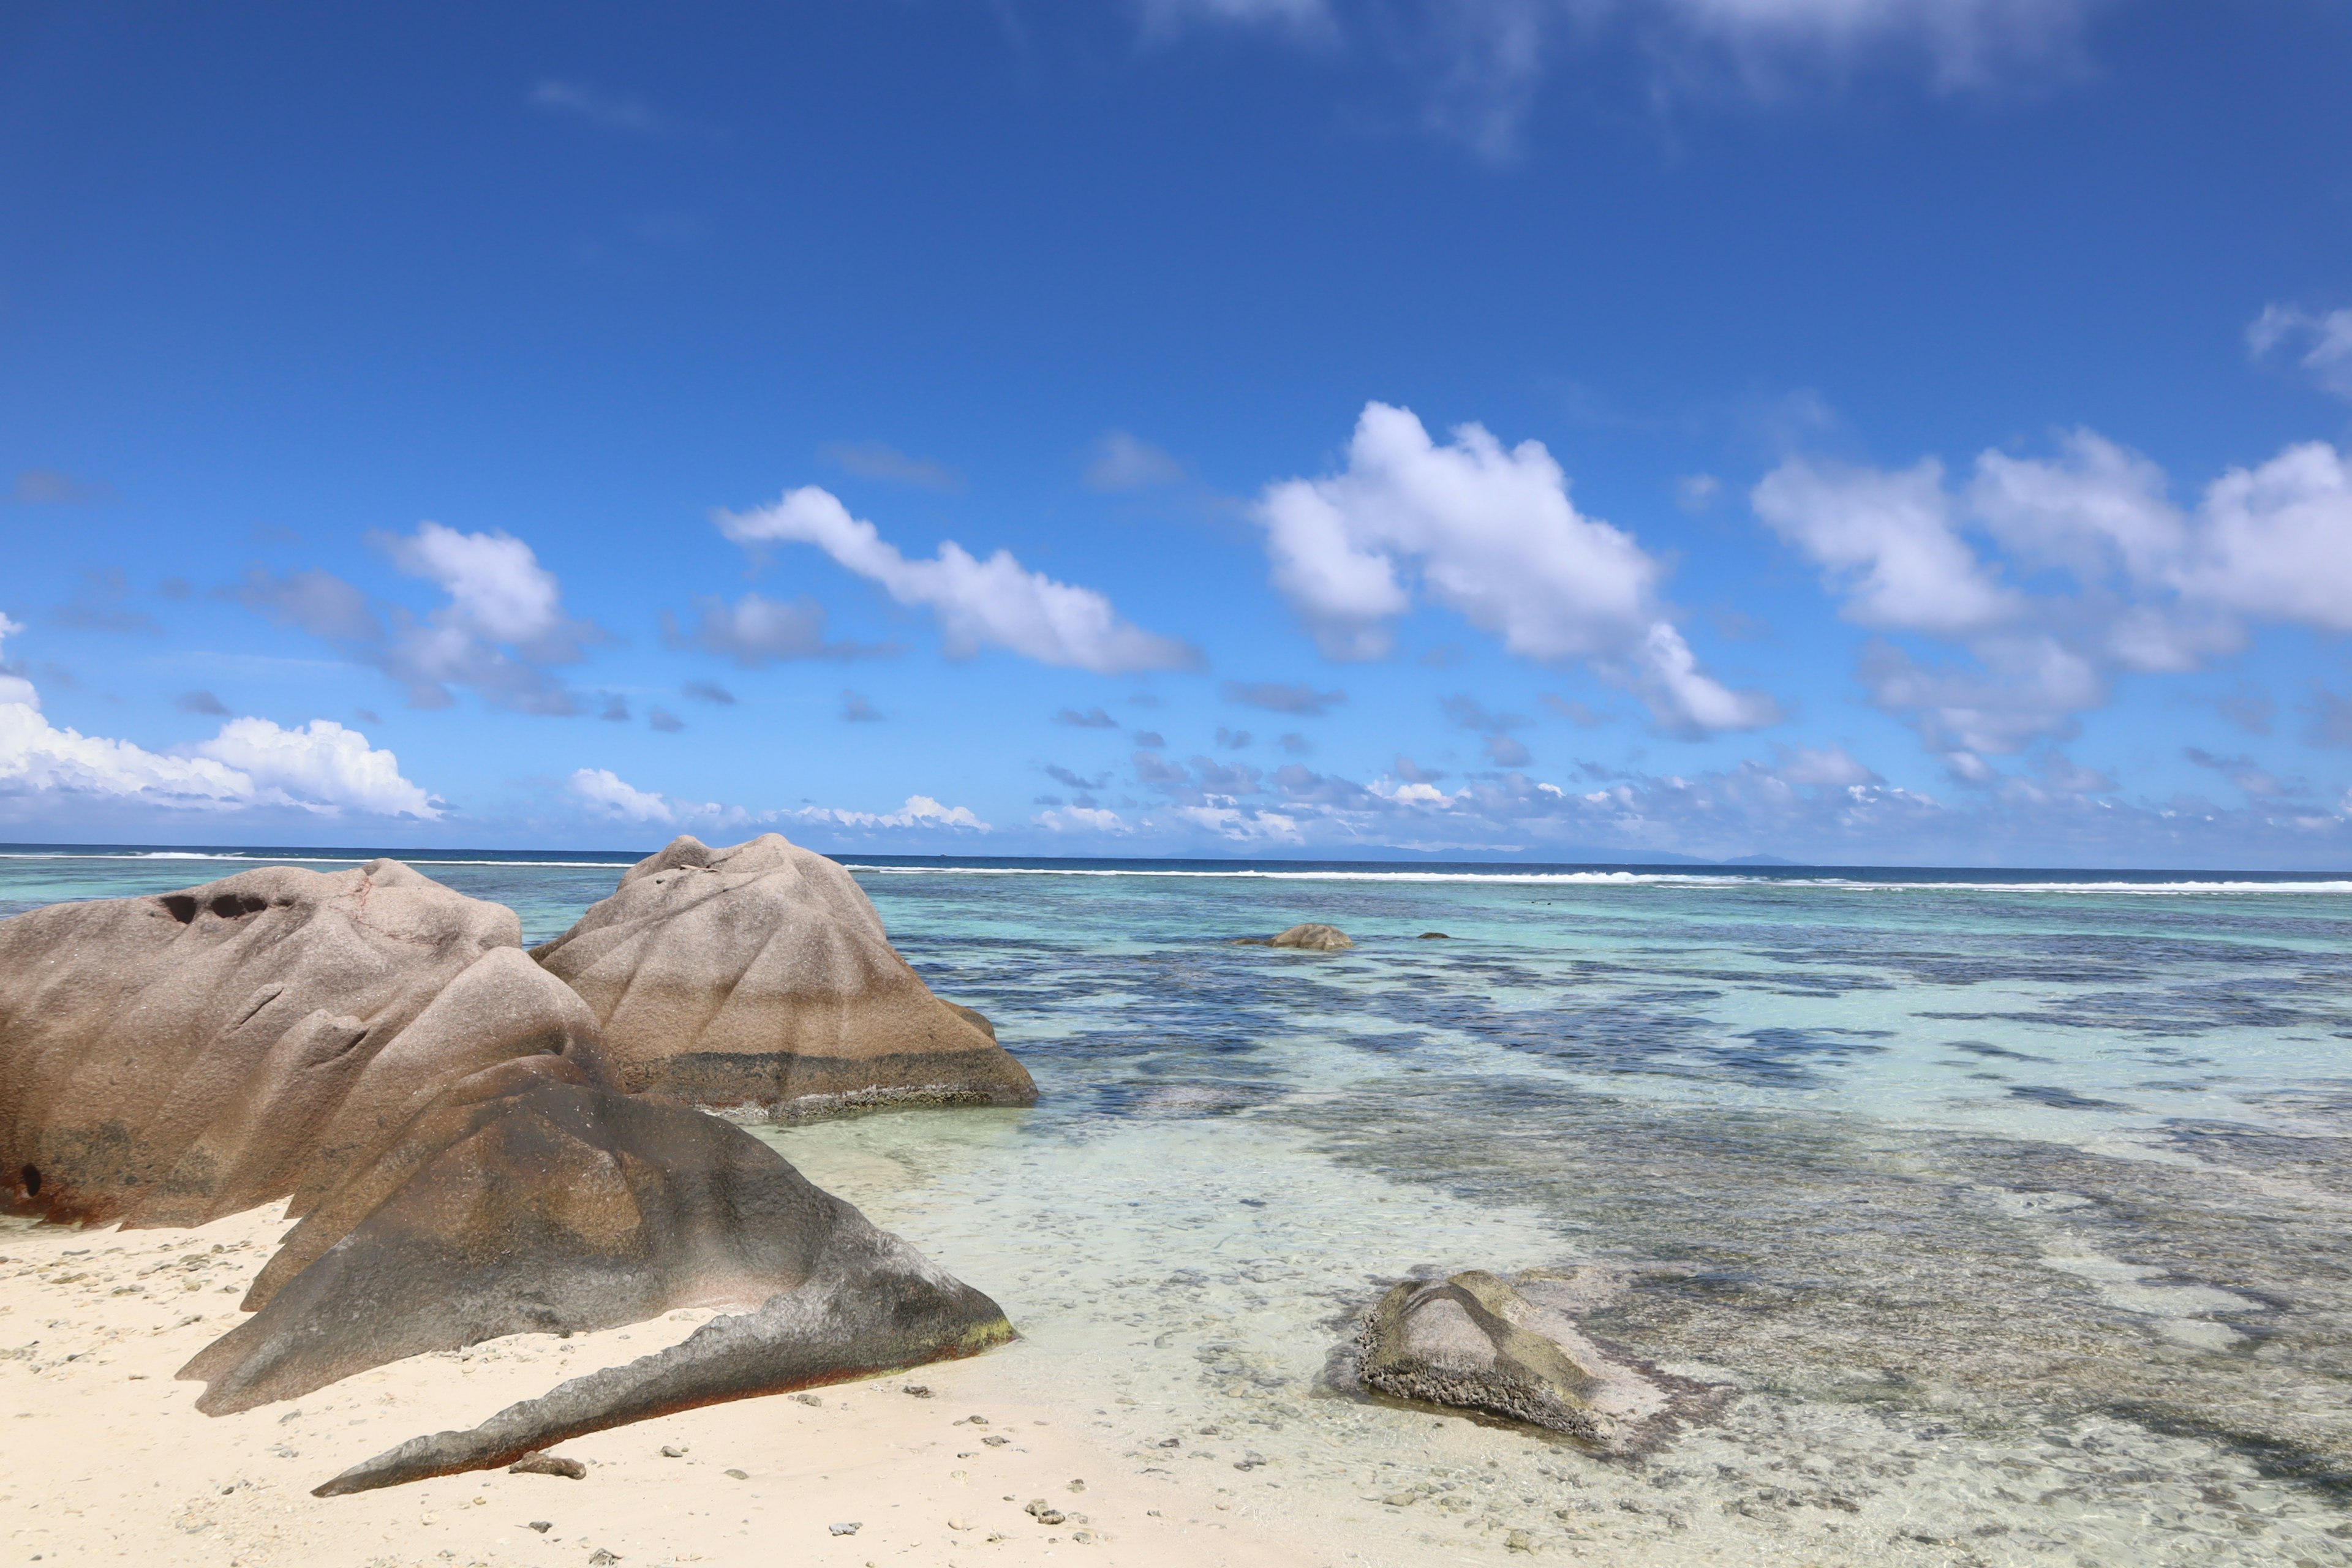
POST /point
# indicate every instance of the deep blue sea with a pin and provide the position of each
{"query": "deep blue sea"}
(2013, 1204)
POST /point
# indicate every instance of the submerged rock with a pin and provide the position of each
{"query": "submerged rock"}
(1476, 1342)
(760, 978)
(1313, 937)
(170, 1060)
(870, 1305)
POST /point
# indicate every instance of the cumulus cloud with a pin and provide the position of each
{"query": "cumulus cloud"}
(2123, 580)
(203, 702)
(2321, 341)
(755, 632)
(857, 710)
(320, 768)
(605, 792)
(1092, 719)
(1123, 462)
(664, 722)
(1283, 697)
(709, 691)
(1491, 533)
(995, 602)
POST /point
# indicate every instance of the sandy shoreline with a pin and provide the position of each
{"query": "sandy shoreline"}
(110, 1462)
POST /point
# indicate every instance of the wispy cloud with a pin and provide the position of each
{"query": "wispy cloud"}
(585, 100)
(1120, 461)
(2321, 341)
(1283, 697)
(53, 486)
(755, 631)
(994, 603)
(502, 629)
(875, 461)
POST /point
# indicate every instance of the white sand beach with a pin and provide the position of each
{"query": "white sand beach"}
(109, 1461)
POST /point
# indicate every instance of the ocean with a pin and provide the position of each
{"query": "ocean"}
(2009, 1207)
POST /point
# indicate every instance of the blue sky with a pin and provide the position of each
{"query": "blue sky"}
(1850, 430)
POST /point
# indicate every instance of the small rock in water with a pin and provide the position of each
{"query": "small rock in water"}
(1519, 1541)
(549, 1464)
(1313, 937)
(852, 1527)
(1433, 936)
(1479, 1343)
(1401, 1500)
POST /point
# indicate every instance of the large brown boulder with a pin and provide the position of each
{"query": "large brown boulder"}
(169, 1060)
(759, 977)
(529, 1199)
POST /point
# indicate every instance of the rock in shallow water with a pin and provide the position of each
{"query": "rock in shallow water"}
(760, 978)
(1313, 937)
(1476, 1342)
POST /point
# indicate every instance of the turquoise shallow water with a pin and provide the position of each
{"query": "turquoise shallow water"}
(2016, 1212)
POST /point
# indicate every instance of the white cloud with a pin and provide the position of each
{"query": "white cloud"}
(1083, 819)
(322, 768)
(921, 811)
(605, 790)
(1490, 534)
(2321, 341)
(606, 793)
(1889, 541)
(2141, 585)
(979, 604)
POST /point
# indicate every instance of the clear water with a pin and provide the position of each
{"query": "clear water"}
(2017, 1212)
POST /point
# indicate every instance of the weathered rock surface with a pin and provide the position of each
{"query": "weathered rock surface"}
(870, 1305)
(759, 977)
(523, 1199)
(1476, 1342)
(1313, 937)
(169, 1060)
